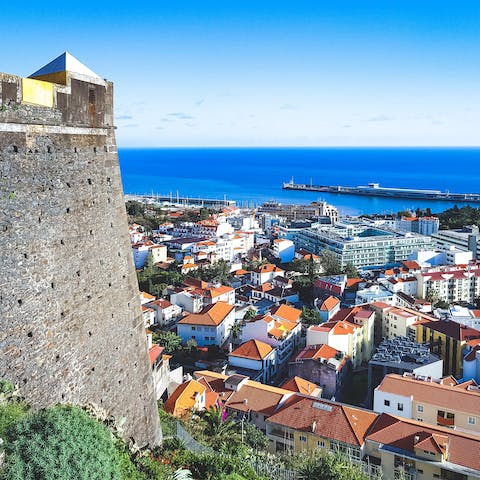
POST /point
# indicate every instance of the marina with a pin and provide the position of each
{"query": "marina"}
(375, 190)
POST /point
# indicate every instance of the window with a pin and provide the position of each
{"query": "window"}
(321, 444)
(419, 419)
(400, 407)
(472, 420)
(194, 328)
(302, 439)
(420, 408)
(386, 403)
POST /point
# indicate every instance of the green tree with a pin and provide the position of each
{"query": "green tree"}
(328, 466)
(169, 340)
(135, 209)
(330, 263)
(310, 316)
(442, 304)
(350, 270)
(254, 437)
(250, 313)
(221, 432)
(236, 331)
(431, 295)
(60, 443)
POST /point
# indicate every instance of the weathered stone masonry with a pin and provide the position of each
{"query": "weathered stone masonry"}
(71, 328)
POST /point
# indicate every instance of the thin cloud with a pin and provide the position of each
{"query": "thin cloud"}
(381, 118)
(179, 116)
(289, 106)
(130, 125)
(199, 102)
(124, 117)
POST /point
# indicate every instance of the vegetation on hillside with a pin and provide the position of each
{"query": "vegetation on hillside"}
(65, 442)
(456, 217)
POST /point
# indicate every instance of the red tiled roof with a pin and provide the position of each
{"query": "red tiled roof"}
(326, 419)
(253, 349)
(453, 330)
(154, 352)
(406, 434)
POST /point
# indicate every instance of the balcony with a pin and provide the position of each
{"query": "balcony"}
(445, 422)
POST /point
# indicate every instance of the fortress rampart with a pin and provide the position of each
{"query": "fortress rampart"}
(71, 327)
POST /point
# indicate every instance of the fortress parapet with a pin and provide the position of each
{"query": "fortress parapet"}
(71, 328)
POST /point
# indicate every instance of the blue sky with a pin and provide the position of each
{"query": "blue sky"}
(268, 73)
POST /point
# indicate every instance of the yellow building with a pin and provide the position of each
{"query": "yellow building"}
(307, 423)
(448, 340)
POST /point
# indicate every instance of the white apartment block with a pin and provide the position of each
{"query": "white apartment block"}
(451, 284)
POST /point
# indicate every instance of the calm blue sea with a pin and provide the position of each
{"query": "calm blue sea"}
(254, 175)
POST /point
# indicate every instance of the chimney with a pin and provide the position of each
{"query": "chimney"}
(314, 426)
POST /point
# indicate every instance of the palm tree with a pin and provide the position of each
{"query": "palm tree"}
(220, 429)
(236, 332)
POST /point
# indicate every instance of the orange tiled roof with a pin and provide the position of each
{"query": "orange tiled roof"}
(253, 349)
(212, 315)
(432, 393)
(147, 296)
(183, 399)
(317, 351)
(268, 267)
(222, 289)
(252, 396)
(300, 385)
(330, 303)
(344, 328)
(288, 313)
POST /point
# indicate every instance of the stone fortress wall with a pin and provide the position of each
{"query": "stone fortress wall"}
(71, 327)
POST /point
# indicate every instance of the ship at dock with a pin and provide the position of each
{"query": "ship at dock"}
(375, 190)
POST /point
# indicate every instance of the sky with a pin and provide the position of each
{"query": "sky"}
(268, 73)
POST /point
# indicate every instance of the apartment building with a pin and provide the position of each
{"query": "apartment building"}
(360, 244)
(412, 450)
(451, 284)
(441, 402)
(351, 331)
(449, 340)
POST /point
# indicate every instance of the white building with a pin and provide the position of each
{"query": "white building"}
(266, 273)
(451, 284)
(283, 249)
(281, 330)
(209, 327)
(165, 312)
(255, 358)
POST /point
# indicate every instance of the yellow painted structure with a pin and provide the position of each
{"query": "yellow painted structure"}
(450, 350)
(37, 92)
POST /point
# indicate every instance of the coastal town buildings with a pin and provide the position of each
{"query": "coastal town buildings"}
(452, 284)
(449, 340)
(211, 326)
(351, 331)
(401, 355)
(443, 402)
(324, 366)
(255, 359)
(359, 244)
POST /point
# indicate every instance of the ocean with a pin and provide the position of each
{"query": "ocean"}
(254, 175)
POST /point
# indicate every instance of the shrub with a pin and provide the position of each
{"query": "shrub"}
(60, 443)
